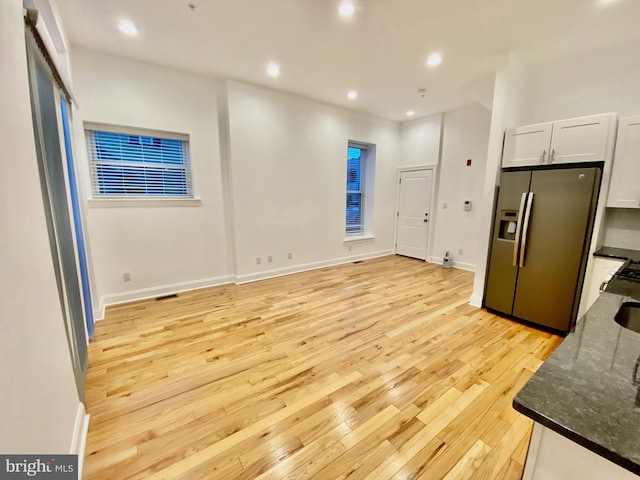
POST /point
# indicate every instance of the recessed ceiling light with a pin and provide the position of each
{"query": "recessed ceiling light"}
(352, 95)
(434, 59)
(128, 28)
(346, 9)
(273, 70)
(410, 113)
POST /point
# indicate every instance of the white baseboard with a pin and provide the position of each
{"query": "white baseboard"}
(278, 272)
(98, 314)
(470, 267)
(153, 292)
(476, 300)
(79, 439)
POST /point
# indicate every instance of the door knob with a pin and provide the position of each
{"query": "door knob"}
(425, 220)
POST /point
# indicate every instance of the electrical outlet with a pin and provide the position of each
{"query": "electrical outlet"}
(126, 276)
(290, 255)
(269, 259)
(460, 251)
(258, 260)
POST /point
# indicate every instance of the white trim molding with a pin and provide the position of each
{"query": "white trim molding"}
(79, 439)
(358, 238)
(470, 267)
(475, 301)
(278, 272)
(143, 202)
(153, 292)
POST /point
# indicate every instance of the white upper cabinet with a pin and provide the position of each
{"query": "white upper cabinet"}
(624, 191)
(527, 145)
(583, 139)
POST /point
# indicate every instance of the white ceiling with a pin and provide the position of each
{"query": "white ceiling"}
(380, 52)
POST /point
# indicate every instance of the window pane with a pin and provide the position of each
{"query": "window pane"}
(134, 148)
(353, 169)
(354, 190)
(138, 165)
(354, 212)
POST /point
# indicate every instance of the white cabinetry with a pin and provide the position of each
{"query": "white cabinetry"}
(603, 270)
(624, 191)
(527, 145)
(583, 139)
(554, 457)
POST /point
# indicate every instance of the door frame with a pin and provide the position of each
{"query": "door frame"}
(432, 215)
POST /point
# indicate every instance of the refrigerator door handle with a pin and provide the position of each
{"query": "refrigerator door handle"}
(516, 244)
(525, 230)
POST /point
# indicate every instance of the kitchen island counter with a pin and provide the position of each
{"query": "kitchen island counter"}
(585, 390)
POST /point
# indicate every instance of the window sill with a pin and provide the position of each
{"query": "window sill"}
(144, 202)
(358, 238)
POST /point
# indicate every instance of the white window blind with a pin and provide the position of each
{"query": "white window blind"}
(138, 163)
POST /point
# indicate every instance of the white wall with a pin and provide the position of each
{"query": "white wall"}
(465, 136)
(165, 247)
(586, 84)
(420, 141)
(39, 400)
(510, 105)
(288, 162)
(622, 228)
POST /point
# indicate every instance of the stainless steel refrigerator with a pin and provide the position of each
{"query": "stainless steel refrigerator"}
(541, 236)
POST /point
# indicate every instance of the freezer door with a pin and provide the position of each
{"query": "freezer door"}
(558, 233)
(501, 277)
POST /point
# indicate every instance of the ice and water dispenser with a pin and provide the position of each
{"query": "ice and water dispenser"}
(508, 224)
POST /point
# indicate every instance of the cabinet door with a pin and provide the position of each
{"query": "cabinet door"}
(624, 191)
(529, 145)
(583, 139)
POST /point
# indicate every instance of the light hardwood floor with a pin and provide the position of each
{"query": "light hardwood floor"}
(373, 370)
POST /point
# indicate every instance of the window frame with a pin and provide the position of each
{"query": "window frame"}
(367, 191)
(362, 191)
(119, 199)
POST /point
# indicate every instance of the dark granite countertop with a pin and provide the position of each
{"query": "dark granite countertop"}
(619, 253)
(585, 389)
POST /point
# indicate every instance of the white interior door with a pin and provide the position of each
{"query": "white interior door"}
(414, 208)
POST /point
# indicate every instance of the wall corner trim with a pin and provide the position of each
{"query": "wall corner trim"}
(475, 301)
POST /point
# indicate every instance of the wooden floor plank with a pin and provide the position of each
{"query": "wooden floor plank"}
(378, 370)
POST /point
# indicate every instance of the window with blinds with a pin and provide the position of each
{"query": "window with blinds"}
(355, 189)
(138, 163)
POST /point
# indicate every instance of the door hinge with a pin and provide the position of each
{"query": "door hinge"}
(400, 181)
(397, 214)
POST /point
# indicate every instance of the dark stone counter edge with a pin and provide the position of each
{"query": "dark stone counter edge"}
(619, 253)
(577, 438)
